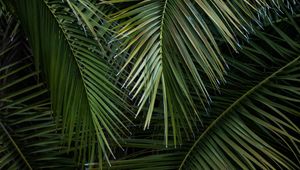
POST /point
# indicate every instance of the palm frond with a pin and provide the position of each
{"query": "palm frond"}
(178, 61)
(173, 49)
(255, 119)
(29, 138)
(252, 124)
(77, 75)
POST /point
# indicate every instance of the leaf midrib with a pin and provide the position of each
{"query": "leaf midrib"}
(162, 26)
(69, 45)
(249, 92)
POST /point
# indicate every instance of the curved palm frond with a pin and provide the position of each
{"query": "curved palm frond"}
(28, 133)
(82, 94)
(252, 124)
(174, 62)
(169, 43)
(255, 118)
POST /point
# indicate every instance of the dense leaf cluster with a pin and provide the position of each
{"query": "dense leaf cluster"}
(149, 84)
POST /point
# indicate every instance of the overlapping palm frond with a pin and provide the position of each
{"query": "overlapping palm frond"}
(29, 138)
(173, 50)
(255, 124)
(177, 58)
(82, 95)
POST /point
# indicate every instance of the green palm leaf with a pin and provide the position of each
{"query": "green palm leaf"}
(252, 124)
(29, 138)
(173, 49)
(176, 59)
(77, 74)
(257, 127)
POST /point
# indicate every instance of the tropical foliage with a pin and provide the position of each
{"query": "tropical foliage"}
(149, 84)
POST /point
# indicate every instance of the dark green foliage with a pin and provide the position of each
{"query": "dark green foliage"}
(29, 136)
(213, 84)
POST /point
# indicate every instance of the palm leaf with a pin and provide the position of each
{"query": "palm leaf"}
(173, 57)
(173, 49)
(28, 133)
(252, 124)
(256, 128)
(77, 75)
